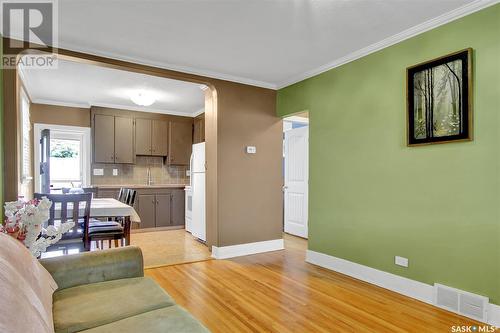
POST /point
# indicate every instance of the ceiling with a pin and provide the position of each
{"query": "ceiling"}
(268, 43)
(84, 85)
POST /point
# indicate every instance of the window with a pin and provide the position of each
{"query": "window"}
(25, 138)
(66, 162)
(69, 155)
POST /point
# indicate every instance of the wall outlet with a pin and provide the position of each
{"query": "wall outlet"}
(401, 261)
(98, 172)
(115, 172)
(188, 173)
(251, 149)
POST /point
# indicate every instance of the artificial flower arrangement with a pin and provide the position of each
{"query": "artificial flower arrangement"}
(25, 220)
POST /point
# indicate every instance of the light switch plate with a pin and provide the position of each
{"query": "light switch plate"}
(401, 261)
(98, 172)
(115, 172)
(188, 173)
(251, 149)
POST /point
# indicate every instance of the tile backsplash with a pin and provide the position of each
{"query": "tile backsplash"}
(136, 174)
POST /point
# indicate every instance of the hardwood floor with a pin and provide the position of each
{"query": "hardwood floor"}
(165, 247)
(280, 292)
(169, 247)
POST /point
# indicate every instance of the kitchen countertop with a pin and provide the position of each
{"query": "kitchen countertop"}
(141, 186)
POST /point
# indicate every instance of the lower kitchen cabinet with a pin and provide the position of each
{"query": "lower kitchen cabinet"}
(163, 216)
(157, 207)
(178, 201)
(160, 208)
(146, 205)
(107, 193)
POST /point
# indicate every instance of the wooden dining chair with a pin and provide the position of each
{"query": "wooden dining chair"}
(80, 215)
(122, 195)
(131, 195)
(100, 231)
(113, 229)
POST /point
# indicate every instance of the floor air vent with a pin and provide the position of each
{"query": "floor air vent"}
(461, 302)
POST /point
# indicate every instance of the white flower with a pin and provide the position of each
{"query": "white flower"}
(30, 217)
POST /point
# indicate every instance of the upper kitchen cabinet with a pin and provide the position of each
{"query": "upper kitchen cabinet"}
(159, 138)
(180, 141)
(199, 129)
(104, 139)
(113, 139)
(151, 137)
(124, 140)
(142, 136)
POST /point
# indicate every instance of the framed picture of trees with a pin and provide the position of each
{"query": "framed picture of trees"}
(439, 99)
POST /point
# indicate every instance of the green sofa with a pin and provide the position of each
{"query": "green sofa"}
(106, 291)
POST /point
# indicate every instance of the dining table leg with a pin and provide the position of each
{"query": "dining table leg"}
(127, 230)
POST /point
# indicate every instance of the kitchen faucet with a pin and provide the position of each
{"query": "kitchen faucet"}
(149, 181)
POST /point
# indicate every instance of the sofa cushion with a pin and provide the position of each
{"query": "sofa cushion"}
(26, 294)
(171, 319)
(96, 304)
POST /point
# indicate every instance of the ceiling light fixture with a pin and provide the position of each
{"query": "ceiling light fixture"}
(143, 98)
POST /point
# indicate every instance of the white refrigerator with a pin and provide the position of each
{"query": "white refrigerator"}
(198, 225)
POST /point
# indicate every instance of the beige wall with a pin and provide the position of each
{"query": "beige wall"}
(250, 196)
(59, 115)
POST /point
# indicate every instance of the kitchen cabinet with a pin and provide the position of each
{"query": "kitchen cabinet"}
(163, 216)
(157, 206)
(178, 207)
(180, 142)
(104, 139)
(159, 138)
(124, 140)
(142, 136)
(163, 207)
(146, 205)
(107, 193)
(151, 137)
(113, 139)
(199, 129)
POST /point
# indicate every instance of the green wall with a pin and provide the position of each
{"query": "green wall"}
(372, 197)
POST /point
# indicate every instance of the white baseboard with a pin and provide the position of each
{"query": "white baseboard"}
(494, 315)
(411, 288)
(225, 252)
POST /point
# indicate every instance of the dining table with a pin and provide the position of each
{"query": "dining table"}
(107, 208)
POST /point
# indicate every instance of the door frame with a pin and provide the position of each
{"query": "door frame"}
(297, 118)
(86, 150)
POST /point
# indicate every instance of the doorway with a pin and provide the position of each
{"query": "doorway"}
(296, 174)
(61, 157)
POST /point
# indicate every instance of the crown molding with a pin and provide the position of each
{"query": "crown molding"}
(172, 67)
(59, 103)
(197, 113)
(113, 106)
(399, 37)
(450, 16)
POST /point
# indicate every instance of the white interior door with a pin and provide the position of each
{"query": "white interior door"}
(296, 181)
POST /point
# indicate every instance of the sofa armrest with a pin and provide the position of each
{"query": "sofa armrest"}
(91, 267)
